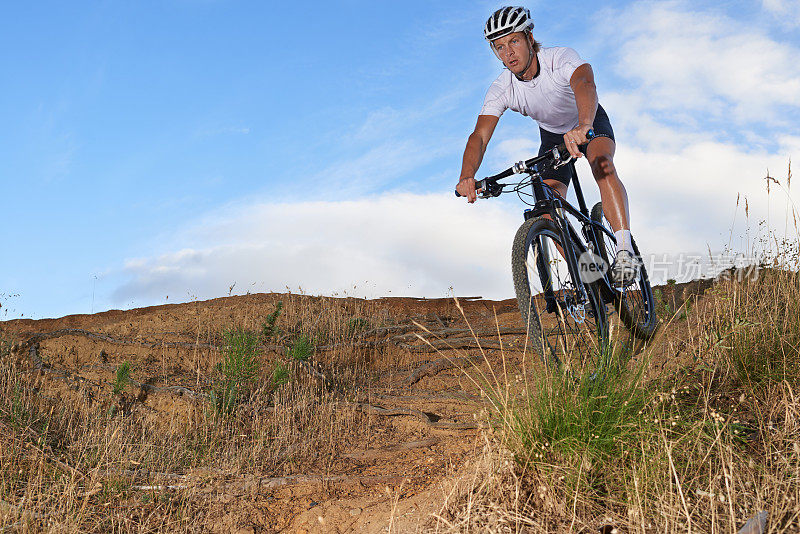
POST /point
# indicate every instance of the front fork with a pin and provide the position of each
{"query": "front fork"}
(556, 212)
(542, 268)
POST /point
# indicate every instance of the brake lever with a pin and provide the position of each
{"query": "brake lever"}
(560, 160)
(492, 190)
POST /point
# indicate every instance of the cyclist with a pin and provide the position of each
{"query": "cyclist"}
(555, 87)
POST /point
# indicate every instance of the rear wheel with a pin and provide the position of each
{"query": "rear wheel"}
(635, 303)
(566, 318)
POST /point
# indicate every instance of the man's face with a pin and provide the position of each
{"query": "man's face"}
(513, 50)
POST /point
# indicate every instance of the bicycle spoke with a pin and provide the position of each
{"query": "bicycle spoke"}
(571, 331)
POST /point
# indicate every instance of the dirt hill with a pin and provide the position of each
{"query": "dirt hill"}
(358, 417)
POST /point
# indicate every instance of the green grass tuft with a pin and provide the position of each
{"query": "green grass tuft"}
(238, 370)
(591, 413)
(122, 377)
(301, 348)
(356, 325)
(280, 375)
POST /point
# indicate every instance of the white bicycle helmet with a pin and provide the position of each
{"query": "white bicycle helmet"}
(506, 20)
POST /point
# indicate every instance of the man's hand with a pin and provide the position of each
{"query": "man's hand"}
(576, 137)
(466, 188)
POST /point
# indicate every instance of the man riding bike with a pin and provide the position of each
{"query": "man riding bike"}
(556, 88)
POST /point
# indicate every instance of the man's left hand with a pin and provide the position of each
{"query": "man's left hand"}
(575, 137)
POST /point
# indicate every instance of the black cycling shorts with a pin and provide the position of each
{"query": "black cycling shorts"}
(601, 127)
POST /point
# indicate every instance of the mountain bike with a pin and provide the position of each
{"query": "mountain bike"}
(562, 280)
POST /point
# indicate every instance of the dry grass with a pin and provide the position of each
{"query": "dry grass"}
(83, 462)
(701, 447)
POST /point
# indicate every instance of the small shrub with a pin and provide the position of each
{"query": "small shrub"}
(280, 375)
(268, 329)
(589, 413)
(301, 348)
(122, 377)
(238, 370)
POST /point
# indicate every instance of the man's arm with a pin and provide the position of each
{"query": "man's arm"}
(582, 83)
(473, 155)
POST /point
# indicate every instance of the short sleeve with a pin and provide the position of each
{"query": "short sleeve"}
(495, 102)
(565, 61)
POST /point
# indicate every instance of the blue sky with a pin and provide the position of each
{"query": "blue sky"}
(158, 152)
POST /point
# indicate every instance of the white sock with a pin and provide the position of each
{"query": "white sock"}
(623, 238)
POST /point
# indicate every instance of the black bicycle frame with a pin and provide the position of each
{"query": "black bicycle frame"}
(548, 203)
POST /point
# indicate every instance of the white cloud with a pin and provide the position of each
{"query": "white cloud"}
(516, 149)
(684, 200)
(392, 244)
(688, 62)
(787, 11)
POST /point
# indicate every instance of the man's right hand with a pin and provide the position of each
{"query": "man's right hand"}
(466, 188)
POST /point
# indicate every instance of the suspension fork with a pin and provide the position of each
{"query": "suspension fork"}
(547, 203)
(569, 251)
(543, 254)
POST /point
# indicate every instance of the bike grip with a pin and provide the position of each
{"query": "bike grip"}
(590, 134)
(457, 194)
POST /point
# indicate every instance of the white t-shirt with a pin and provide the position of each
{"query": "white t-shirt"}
(548, 98)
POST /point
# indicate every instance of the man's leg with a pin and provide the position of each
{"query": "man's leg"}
(600, 154)
(559, 187)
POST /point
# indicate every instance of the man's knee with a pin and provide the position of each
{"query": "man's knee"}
(558, 187)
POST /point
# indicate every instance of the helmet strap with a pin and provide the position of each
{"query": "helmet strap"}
(491, 44)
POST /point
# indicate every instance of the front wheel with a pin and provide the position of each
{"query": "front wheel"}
(565, 317)
(635, 304)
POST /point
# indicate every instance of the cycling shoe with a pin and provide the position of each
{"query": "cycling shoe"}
(625, 269)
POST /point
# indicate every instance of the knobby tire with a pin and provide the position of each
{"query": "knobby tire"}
(558, 336)
(635, 305)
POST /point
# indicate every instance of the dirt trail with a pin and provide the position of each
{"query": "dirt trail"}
(423, 410)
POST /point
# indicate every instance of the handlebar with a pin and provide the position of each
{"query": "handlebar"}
(557, 155)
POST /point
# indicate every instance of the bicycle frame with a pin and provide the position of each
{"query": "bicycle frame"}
(597, 236)
(552, 205)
